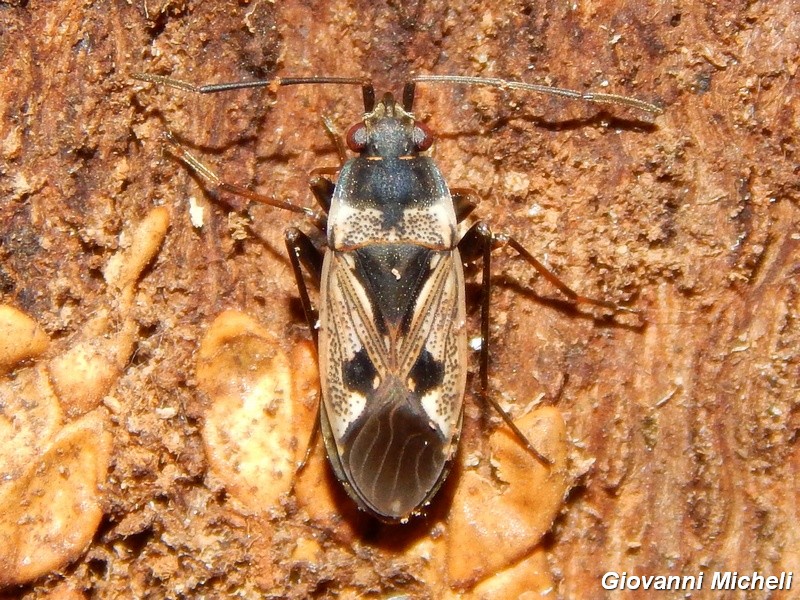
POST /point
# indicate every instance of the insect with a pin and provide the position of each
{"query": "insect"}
(391, 329)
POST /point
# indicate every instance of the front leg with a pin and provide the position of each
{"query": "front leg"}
(322, 188)
(215, 181)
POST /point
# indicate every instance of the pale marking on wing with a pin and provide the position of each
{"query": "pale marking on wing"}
(444, 335)
(344, 405)
(362, 319)
(427, 310)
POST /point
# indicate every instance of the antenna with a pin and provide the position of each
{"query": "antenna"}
(503, 84)
(367, 89)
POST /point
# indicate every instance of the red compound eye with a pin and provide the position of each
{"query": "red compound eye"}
(356, 137)
(423, 138)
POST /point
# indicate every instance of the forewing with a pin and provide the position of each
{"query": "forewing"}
(392, 387)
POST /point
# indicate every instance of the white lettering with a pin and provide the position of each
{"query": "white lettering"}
(613, 580)
(610, 580)
(647, 582)
(731, 580)
(665, 583)
(722, 581)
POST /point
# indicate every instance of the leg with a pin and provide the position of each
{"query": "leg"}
(499, 240)
(215, 181)
(479, 242)
(337, 139)
(476, 243)
(303, 253)
(322, 188)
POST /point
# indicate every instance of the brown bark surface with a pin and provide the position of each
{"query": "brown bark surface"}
(683, 433)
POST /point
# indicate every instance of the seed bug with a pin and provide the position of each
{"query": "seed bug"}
(391, 328)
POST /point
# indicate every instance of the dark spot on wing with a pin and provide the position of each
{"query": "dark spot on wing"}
(358, 373)
(426, 374)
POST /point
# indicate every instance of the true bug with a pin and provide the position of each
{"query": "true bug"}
(390, 333)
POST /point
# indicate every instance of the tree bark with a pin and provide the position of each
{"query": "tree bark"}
(683, 423)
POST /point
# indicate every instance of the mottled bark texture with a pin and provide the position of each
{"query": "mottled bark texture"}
(684, 431)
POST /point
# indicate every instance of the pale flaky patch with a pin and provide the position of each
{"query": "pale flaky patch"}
(51, 513)
(50, 473)
(528, 579)
(20, 338)
(509, 515)
(30, 415)
(98, 353)
(261, 409)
